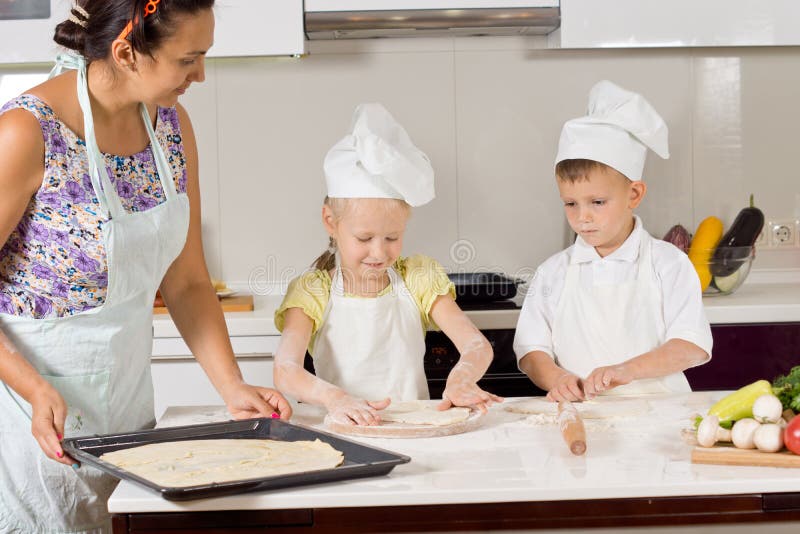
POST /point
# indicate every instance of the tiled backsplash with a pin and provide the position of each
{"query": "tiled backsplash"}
(488, 111)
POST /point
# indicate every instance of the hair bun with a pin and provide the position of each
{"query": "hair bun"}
(72, 35)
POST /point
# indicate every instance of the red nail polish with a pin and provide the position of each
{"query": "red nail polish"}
(58, 436)
(275, 415)
(59, 454)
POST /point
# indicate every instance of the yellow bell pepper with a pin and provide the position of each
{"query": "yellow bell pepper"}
(739, 404)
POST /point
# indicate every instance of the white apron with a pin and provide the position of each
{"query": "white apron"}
(372, 348)
(609, 324)
(99, 360)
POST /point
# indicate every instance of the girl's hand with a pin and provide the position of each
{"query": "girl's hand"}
(567, 387)
(465, 393)
(605, 378)
(47, 423)
(246, 402)
(348, 410)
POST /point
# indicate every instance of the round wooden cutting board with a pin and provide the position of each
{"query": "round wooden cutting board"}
(390, 429)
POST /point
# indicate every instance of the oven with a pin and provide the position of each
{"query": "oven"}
(503, 376)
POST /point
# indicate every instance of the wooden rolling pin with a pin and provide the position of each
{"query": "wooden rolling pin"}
(571, 426)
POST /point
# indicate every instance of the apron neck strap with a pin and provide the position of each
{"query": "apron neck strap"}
(109, 201)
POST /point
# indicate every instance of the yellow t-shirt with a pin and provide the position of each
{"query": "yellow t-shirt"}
(424, 277)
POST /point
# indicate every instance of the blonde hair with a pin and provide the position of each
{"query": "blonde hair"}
(339, 207)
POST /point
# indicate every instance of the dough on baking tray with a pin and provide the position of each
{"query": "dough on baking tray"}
(597, 408)
(198, 462)
(422, 413)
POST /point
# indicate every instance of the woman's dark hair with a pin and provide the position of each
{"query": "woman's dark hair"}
(107, 18)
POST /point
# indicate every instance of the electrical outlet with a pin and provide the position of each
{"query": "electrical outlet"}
(782, 233)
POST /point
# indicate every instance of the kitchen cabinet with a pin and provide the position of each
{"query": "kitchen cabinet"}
(258, 28)
(677, 23)
(744, 353)
(178, 379)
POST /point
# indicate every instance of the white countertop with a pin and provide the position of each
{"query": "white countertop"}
(751, 303)
(511, 458)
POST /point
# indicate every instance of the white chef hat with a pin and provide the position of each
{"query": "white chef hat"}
(378, 160)
(619, 128)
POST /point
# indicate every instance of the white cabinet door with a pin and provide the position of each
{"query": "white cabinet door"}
(182, 382)
(675, 23)
(258, 28)
(27, 28)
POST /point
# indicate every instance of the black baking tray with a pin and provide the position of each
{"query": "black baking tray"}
(483, 287)
(359, 460)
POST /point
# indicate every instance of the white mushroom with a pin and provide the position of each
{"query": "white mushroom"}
(709, 432)
(767, 409)
(742, 433)
(768, 437)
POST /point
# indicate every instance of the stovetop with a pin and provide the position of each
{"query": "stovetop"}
(492, 305)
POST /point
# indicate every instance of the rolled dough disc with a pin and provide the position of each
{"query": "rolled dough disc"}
(597, 408)
(177, 464)
(413, 419)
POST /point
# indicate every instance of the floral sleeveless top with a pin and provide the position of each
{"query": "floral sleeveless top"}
(54, 262)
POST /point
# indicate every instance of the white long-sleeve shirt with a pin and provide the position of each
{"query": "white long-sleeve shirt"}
(684, 315)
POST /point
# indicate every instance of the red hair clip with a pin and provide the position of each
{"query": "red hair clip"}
(149, 9)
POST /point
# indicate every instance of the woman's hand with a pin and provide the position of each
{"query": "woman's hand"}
(344, 409)
(246, 402)
(47, 423)
(605, 378)
(466, 393)
(567, 387)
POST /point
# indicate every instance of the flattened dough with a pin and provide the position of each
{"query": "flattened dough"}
(190, 463)
(422, 413)
(598, 408)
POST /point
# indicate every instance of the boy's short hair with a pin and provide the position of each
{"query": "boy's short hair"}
(577, 170)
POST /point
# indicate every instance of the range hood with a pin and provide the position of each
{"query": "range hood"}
(361, 19)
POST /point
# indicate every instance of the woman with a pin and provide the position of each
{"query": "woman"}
(100, 206)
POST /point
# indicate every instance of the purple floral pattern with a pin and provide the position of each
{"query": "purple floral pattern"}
(54, 263)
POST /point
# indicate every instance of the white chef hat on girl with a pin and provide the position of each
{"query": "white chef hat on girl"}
(378, 160)
(619, 128)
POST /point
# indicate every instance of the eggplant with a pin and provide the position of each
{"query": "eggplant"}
(735, 247)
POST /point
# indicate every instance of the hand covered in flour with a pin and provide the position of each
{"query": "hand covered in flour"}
(246, 402)
(605, 378)
(344, 409)
(47, 423)
(567, 387)
(462, 390)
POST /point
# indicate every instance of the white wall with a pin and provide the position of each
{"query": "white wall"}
(488, 111)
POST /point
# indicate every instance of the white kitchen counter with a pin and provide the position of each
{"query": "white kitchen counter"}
(511, 458)
(752, 303)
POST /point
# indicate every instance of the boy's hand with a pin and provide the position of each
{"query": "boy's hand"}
(465, 393)
(605, 378)
(567, 387)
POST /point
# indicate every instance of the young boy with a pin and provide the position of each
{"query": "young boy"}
(618, 312)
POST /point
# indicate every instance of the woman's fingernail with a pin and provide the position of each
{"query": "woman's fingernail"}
(59, 454)
(58, 436)
(275, 415)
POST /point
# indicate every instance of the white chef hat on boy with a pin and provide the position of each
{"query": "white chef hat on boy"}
(619, 128)
(378, 160)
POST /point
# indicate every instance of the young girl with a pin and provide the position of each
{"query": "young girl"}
(362, 312)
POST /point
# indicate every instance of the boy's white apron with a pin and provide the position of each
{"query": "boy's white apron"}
(372, 348)
(609, 324)
(99, 360)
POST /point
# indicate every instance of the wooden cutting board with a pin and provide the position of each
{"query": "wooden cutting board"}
(733, 456)
(235, 303)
